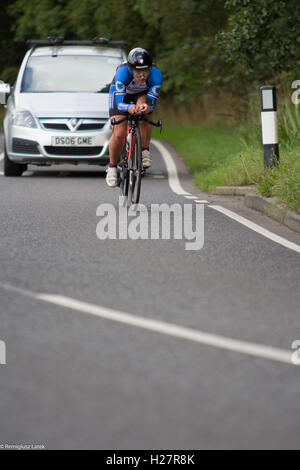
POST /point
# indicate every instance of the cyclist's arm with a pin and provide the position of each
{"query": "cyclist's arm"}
(118, 88)
(155, 81)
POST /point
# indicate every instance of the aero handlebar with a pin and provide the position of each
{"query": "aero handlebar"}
(137, 117)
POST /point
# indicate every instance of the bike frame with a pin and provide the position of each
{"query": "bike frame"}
(129, 149)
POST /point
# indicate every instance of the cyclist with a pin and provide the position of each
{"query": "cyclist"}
(135, 89)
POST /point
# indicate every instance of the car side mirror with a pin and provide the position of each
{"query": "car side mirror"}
(5, 91)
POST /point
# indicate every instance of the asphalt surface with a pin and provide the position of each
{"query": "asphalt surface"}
(77, 381)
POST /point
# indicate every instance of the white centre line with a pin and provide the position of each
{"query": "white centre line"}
(161, 327)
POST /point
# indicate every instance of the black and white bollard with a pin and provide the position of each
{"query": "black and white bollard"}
(269, 125)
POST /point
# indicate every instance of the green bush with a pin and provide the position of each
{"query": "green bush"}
(9, 75)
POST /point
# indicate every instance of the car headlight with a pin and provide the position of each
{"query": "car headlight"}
(23, 118)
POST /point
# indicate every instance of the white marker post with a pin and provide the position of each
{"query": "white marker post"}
(269, 125)
(4, 92)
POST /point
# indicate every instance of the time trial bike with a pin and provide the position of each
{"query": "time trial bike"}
(130, 165)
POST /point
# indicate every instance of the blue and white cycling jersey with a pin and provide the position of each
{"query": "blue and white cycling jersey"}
(124, 83)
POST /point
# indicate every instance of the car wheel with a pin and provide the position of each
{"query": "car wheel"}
(12, 168)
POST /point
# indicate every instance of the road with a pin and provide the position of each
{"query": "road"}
(78, 376)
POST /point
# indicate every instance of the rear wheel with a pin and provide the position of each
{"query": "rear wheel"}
(136, 170)
(12, 168)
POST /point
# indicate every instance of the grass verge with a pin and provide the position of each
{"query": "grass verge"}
(220, 156)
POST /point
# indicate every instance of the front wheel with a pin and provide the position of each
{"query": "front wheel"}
(123, 173)
(136, 170)
(12, 168)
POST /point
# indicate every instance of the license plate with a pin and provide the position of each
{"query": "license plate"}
(76, 141)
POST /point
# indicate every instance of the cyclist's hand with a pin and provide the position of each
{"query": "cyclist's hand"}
(132, 109)
(144, 108)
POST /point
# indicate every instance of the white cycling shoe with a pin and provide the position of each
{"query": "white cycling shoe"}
(147, 159)
(112, 177)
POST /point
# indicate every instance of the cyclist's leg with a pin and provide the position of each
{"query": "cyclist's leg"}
(115, 148)
(146, 129)
(146, 132)
(117, 140)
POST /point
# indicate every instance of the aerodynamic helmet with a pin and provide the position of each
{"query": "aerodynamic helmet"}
(139, 58)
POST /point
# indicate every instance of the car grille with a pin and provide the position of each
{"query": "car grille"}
(65, 124)
(88, 127)
(72, 151)
(62, 127)
(24, 146)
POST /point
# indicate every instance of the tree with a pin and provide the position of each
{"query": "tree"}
(11, 52)
(262, 38)
(185, 47)
(180, 34)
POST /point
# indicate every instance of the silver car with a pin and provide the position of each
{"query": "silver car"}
(57, 111)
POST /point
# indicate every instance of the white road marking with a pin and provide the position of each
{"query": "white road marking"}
(191, 197)
(1, 156)
(1, 173)
(171, 168)
(177, 188)
(257, 228)
(201, 201)
(161, 327)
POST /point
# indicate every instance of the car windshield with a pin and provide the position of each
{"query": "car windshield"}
(69, 73)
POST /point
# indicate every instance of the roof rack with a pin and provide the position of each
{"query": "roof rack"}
(59, 41)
